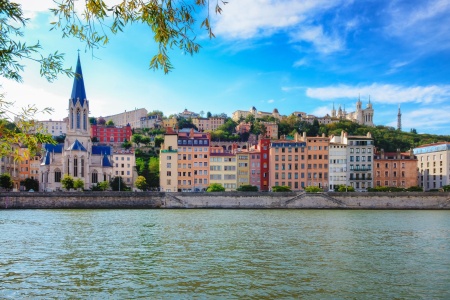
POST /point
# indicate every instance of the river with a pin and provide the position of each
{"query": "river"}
(224, 254)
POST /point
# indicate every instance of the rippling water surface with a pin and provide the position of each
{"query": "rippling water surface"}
(227, 254)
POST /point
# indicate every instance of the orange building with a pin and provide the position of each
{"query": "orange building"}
(317, 160)
(287, 163)
(193, 160)
(395, 169)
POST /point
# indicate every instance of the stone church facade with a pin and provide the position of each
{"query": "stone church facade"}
(360, 116)
(77, 156)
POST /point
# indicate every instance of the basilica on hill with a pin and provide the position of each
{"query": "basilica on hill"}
(77, 156)
(360, 116)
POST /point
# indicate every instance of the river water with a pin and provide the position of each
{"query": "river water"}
(224, 254)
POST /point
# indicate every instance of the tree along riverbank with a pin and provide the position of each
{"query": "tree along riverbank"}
(232, 200)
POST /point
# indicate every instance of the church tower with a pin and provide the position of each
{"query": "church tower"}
(78, 106)
(333, 112)
(399, 119)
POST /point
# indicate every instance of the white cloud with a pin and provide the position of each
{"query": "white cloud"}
(301, 62)
(384, 93)
(246, 19)
(324, 43)
(270, 101)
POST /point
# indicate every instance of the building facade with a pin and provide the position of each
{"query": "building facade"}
(433, 162)
(360, 151)
(360, 115)
(395, 169)
(132, 117)
(111, 134)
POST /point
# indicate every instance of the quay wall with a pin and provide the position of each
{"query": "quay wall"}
(233, 200)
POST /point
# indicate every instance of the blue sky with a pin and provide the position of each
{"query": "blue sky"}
(290, 55)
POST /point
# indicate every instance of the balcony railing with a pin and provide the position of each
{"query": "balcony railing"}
(169, 151)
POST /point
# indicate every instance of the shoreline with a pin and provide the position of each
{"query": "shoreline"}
(225, 200)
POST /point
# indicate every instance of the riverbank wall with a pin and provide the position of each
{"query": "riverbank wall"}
(230, 200)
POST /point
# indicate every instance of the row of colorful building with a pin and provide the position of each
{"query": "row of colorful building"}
(190, 161)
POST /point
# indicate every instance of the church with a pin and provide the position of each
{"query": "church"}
(77, 156)
(360, 116)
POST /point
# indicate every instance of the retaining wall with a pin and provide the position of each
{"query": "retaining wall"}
(235, 200)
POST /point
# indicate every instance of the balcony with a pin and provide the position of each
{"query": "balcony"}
(169, 151)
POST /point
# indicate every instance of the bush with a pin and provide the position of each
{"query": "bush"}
(345, 188)
(415, 189)
(6, 181)
(67, 182)
(215, 187)
(247, 188)
(313, 189)
(78, 183)
(283, 188)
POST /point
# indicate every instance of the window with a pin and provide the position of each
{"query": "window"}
(75, 167)
(94, 176)
(57, 175)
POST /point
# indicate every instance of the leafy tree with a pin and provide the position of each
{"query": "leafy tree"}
(313, 189)
(137, 139)
(281, 188)
(156, 113)
(117, 184)
(30, 183)
(78, 183)
(186, 123)
(104, 185)
(446, 188)
(146, 140)
(258, 128)
(126, 145)
(6, 181)
(247, 188)
(13, 51)
(141, 183)
(215, 187)
(67, 182)
(208, 115)
(229, 126)
(158, 141)
(92, 120)
(153, 169)
(172, 24)
(110, 123)
(60, 139)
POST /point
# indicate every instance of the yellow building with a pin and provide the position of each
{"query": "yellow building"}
(168, 163)
(223, 168)
(172, 122)
(243, 167)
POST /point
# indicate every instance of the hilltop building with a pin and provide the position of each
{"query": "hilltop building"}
(360, 115)
(132, 117)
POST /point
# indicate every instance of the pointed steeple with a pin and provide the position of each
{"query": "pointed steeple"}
(78, 91)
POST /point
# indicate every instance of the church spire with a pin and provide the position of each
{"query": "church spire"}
(78, 91)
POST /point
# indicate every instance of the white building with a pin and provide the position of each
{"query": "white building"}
(338, 161)
(55, 128)
(132, 117)
(434, 165)
(124, 163)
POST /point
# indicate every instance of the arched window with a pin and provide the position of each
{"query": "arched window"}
(84, 120)
(82, 167)
(57, 175)
(75, 167)
(78, 119)
(94, 177)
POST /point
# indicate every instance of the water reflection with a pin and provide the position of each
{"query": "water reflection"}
(257, 254)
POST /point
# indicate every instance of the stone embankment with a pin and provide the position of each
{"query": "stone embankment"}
(233, 200)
